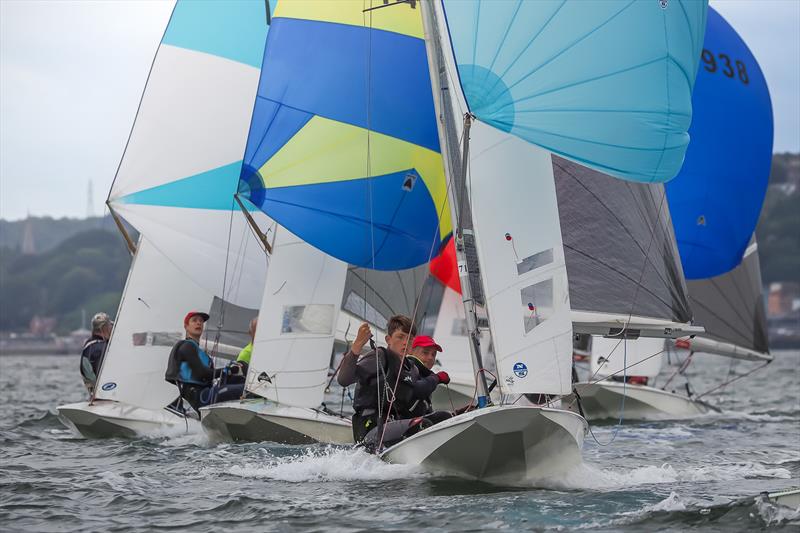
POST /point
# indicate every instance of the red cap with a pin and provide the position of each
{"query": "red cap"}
(425, 341)
(190, 314)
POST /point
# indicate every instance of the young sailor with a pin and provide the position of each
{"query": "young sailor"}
(192, 369)
(376, 374)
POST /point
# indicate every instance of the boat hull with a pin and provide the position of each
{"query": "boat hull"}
(503, 444)
(261, 420)
(788, 498)
(602, 401)
(109, 419)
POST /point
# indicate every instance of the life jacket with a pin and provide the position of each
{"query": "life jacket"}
(377, 386)
(180, 371)
(91, 355)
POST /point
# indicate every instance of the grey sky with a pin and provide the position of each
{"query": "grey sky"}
(71, 74)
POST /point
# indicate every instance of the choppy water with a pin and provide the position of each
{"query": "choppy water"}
(656, 476)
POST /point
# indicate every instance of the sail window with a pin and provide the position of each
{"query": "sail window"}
(313, 318)
(537, 303)
(535, 261)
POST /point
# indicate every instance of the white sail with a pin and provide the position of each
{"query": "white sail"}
(518, 238)
(181, 165)
(634, 357)
(297, 323)
(451, 334)
(156, 298)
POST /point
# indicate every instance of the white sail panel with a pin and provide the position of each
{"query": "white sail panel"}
(193, 118)
(214, 248)
(297, 323)
(642, 356)
(451, 334)
(149, 321)
(518, 237)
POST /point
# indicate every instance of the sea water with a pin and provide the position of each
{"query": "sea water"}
(666, 476)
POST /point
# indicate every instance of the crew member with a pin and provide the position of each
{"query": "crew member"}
(376, 375)
(192, 369)
(94, 349)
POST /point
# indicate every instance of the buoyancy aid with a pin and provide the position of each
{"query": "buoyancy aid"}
(180, 367)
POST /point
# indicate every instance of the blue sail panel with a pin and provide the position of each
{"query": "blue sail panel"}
(607, 84)
(233, 29)
(374, 222)
(716, 199)
(343, 149)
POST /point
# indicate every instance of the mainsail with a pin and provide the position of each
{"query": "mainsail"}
(175, 185)
(299, 311)
(731, 308)
(343, 149)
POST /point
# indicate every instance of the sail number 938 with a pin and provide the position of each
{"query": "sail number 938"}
(723, 63)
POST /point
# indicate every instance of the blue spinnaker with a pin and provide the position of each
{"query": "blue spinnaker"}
(716, 198)
(607, 84)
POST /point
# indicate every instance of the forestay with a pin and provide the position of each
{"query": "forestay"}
(296, 326)
(181, 166)
(149, 322)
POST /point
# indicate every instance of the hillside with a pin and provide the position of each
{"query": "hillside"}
(82, 264)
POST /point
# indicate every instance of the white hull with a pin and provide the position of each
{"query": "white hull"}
(603, 400)
(787, 498)
(106, 419)
(504, 444)
(263, 420)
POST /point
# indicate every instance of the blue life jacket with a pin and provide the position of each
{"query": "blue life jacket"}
(186, 375)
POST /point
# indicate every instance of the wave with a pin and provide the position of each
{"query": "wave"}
(589, 477)
(328, 464)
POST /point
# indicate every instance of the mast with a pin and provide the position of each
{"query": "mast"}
(436, 69)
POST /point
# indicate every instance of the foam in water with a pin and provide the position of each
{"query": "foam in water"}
(585, 476)
(330, 464)
(773, 514)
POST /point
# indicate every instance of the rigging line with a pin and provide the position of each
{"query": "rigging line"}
(644, 267)
(737, 378)
(621, 403)
(613, 215)
(221, 321)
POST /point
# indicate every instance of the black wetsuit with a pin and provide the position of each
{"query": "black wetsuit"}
(192, 370)
(374, 384)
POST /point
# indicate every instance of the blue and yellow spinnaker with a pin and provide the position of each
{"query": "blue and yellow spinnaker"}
(343, 148)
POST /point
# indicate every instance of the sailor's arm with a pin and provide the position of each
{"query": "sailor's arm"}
(347, 371)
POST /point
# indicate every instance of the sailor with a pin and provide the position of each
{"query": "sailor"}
(94, 349)
(237, 370)
(376, 375)
(423, 356)
(192, 369)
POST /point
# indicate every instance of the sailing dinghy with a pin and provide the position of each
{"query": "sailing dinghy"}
(291, 352)
(352, 163)
(510, 188)
(175, 185)
(714, 206)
